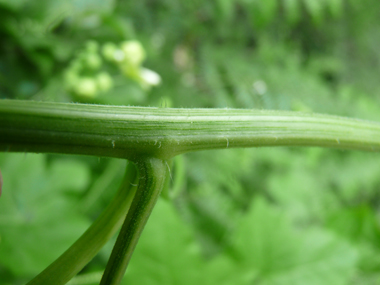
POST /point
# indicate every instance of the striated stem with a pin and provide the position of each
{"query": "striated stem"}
(152, 173)
(133, 132)
(150, 137)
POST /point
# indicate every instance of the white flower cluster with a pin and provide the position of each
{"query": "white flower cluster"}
(86, 75)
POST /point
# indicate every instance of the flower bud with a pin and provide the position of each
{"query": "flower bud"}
(92, 61)
(86, 86)
(104, 81)
(92, 46)
(134, 52)
(71, 78)
(150, 77)
(108, 51)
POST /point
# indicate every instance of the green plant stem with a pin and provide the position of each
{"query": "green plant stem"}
(152, 173)
(88, 245)
(132, 132)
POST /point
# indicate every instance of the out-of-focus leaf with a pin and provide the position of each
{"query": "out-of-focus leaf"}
(292, 10)
(261, 12)
(167, 254)
(336, 7)
(14, 4)
(268, 243)
(226, 8)
(299, 186)
(37, 218)
(355, 176)
(69, 175)
(315, 9)
(359, 225)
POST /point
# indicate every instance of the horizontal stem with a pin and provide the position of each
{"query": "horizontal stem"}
(134, 132)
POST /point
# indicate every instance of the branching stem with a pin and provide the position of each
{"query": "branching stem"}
(88, 245)
(152, 173)
(150, 137)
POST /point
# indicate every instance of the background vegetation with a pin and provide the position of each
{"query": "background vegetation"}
(245, 216)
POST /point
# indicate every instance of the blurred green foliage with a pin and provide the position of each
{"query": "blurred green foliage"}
(246, 216)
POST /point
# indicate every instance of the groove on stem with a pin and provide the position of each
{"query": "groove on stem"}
(152, 175)
(134, 132)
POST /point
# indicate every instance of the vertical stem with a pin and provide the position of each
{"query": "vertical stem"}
(88, 245)
(152, 173)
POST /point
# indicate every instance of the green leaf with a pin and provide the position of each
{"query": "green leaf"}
(226, 8)
(14, 4)
(69, 175)
(300, 185)
(268, 243)
(167, 254)
(262, 13)
(356, 176)
(292, 10)
(359, 225)
(37, 219)
(336, 7)
(315, 9)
